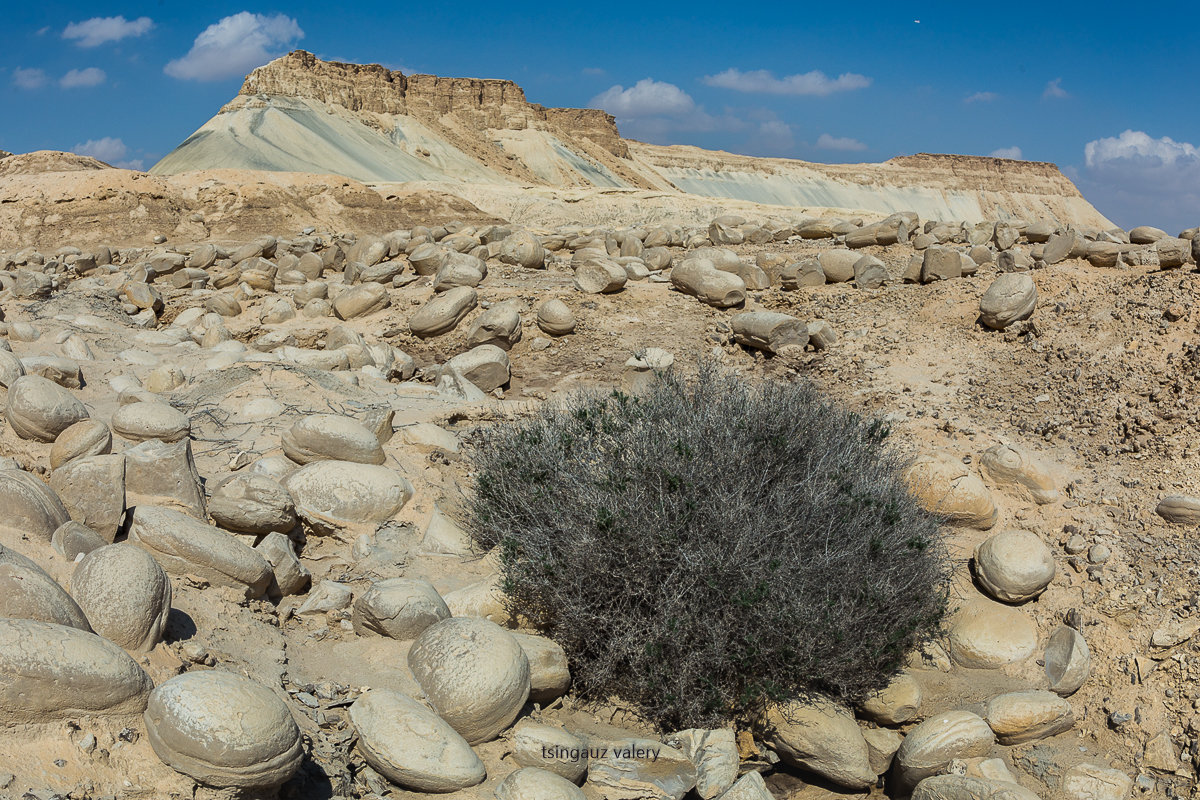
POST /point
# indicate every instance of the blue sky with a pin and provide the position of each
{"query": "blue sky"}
(1107, 94)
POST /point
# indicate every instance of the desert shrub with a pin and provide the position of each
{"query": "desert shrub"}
(708, 546)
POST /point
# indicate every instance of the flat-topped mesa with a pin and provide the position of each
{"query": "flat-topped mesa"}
(997, 171)
(375, 89)
(356, 87)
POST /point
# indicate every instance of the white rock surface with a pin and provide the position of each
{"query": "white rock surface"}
(224, 730)
(125, 594)
(474, 673)
(52, 672)
(411, 746)
(399, 608)
(821, 736)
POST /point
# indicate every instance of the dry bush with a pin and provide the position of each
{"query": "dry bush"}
(707, 547)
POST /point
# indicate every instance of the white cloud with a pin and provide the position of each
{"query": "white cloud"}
(1013, 152)
(646, 98)
(99, 30)
(981, 97)
(28, 78)
(109, 150)
(809, 83)
(1136, 179)
(82, 78)
(1054, 90)
(234, 46)
(1138, 147)
(827, 142)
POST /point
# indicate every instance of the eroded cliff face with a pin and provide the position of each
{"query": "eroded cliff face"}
(947, 187)
(301, 114)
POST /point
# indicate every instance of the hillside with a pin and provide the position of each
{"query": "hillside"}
(375, 125)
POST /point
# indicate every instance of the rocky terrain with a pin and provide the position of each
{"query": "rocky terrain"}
(301, 114)
(236, 451)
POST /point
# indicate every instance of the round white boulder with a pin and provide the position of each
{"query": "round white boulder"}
(40, 409)
(554, 317)
(1011, 298)
(252, 503)
(399, 608)
(50, 671)
(546, 747)
(897, 702)
(125, 594)
(1014, 566)
(987, 635)
(411, 746)
(223, 730)
(28, 592)
(331, 437)
(474, 673)
(333, 496)
(932, 745)
(530, 783)
(821, 736)
(549, 675)
(151, 420)
(89, 437)
(30, 507)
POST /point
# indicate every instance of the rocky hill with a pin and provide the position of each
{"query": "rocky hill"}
(301, 114)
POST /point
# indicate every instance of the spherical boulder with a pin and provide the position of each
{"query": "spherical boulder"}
(897, 702)
(399, 608)
(523, 249)
(1011, 298)
(28, 592)
(966, 787)
(1068, 661)
(50, 671)
(530, 783)
(443, 313)
(411, 746)
(1018, 470)
(821, 736)
(30, 507)
(11, 368)
(125, 594)
(987, 635)
(331, 437)
(554, 318)
(930, 746)
(252, 503)
(1018, 717)
(945, 486)
(151, 420)
(40, 409)
(546, 747)
(474, 673)
(1014, 566)
(335, 496)
(184, 545)
(223, 730)
(1179, 508)
(549, 675)
(89, 437)
(487, 366)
